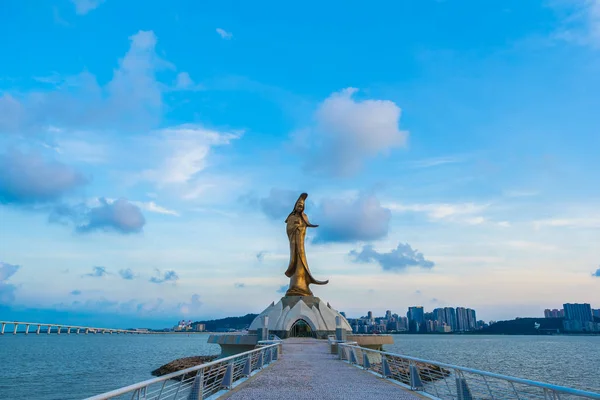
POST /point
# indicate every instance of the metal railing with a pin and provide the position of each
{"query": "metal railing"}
(273, 339)
(445, 381)
(199, 382)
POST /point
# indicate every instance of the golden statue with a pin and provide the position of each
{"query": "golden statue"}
(298, 271)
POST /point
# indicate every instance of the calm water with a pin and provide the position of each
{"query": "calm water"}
(73, 367)
(52, 367)
(572, 361)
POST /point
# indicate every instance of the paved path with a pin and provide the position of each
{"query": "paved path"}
(307, 370)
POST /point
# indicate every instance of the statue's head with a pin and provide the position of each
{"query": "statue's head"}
(299, 207)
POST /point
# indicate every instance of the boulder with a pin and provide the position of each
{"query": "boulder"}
(181, 364)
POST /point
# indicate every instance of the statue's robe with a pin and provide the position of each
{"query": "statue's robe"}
(298, 269)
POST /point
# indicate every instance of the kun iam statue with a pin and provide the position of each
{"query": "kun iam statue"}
(298, 271)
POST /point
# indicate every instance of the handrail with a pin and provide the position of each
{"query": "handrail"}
(426, 364)
(227, 361)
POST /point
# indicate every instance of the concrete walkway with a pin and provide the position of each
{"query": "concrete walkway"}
(307, 370)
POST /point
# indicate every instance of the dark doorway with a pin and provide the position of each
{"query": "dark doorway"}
(301, 329)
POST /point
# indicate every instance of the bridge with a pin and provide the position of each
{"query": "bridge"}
(306, 368)
(57, 328)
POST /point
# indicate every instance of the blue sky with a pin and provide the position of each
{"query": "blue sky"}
(150, 154)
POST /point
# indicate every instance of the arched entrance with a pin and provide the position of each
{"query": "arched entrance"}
(301, 329)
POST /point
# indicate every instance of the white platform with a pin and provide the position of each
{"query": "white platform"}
(320, 316)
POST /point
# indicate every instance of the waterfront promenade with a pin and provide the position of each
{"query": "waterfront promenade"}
(307, 370)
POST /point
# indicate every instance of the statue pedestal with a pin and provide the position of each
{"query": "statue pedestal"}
(283, 315)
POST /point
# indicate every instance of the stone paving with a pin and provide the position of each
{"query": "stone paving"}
(307, 370)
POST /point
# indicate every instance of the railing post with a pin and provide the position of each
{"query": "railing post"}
(275, 353)
(366, 362)
(78, 329)
(48, 332)
(261, 360)
(353, 359)
(59, 328)
(3, 326)
(269, 356)
(27, 329)
(248, 366)
(15, 330)
(462, 388)
(227, 381)
(415, 379)
(385, 367)
(38, 330)
(198, 387)
(68, 330)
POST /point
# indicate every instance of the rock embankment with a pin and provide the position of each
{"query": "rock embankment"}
(181, 364)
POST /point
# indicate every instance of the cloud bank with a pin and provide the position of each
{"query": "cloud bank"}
(97, 272)
(28, 178)
(127, 274)
(7, 290)
(346, 221)
(348, 132)
(168, 276)
(362, 218)
(120, 216)
(397, 259)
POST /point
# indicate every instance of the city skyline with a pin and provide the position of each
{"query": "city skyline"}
(149, 163)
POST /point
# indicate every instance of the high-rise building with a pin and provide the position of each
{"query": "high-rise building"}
(416, 313)
(596, 313)
(343, 314)
(462, 319)
(451, 318)
(388, 315)
(403, 323)
(555, 313)
(430, 326)
(472, 316)
(578, 312)
(439, 315)
(370, 315)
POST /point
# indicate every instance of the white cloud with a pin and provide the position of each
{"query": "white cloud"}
(224, 34)
(438, 211)
(155, 208)
(569, 222)
(187, 149)
(83, 7)
(436, 161)
(149, 206)
(193, 308)
(132, 99)
(184, 81)
(582, 26)
(81, 150)
(348, 132)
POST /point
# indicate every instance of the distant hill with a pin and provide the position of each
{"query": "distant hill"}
(229, 323)
(524, 326)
